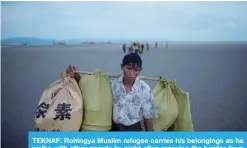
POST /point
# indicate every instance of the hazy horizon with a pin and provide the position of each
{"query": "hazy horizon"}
(105, 39)
(46, 41)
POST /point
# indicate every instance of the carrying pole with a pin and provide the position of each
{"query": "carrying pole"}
(116, 76)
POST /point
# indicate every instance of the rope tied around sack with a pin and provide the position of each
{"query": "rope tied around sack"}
(164, 82)
(66, 79)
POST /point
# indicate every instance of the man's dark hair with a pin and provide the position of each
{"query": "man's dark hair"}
(133, 59)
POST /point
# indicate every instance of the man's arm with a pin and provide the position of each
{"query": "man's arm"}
(149, 109)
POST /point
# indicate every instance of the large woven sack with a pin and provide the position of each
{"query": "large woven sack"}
(97, 97)
(184, 120)
(166, 106)
(60, 107)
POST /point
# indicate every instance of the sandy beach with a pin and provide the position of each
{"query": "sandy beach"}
(215, 76)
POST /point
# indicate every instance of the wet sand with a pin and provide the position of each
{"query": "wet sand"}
(215, 76)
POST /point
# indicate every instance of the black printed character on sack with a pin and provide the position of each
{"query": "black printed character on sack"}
(62, 111)
(41, 110)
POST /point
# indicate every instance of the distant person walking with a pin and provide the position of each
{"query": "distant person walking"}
(135, 47)
(124, 47)
(156, 45)
(130, 48)
(147, 46)
(166, 45)
(142, 48)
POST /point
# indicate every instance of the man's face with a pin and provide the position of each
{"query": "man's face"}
(131, 71)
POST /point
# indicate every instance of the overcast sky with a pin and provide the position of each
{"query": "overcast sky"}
(183, 21)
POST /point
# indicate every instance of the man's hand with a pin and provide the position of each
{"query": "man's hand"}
(71, 71)
(148, 124)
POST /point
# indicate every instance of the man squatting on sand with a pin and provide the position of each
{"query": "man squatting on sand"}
(132, 97)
